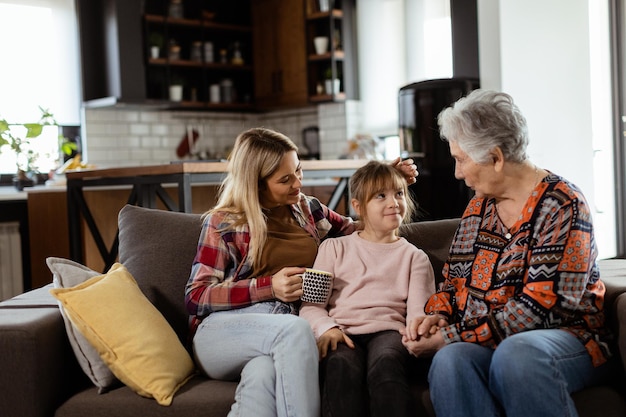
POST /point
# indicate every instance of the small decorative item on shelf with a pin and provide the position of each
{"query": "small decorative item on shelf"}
(223, 59)
(196, 51)
(319, 88)
(237, 58)
(214, 93)
(176, 89)
(175, 9)
(321, 44)
(337, 40)
(324, 5)
(227, 91)
(156, 43)
(208, 52)
(331, 85)
(174, 51)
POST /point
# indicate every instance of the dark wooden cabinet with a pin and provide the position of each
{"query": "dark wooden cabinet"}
(263, 55)
(279, 50)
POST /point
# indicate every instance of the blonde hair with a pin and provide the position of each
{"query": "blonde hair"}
(374, 177)
(255, 157)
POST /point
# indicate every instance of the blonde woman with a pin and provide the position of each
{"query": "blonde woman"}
(245, 282)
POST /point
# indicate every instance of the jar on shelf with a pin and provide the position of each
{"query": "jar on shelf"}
(174, 51)
(208, 52)
(237, 57)
(196, 51)
(226, 90)
(175, 9)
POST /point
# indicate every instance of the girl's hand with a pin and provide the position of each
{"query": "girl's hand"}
(407, 168)
(287, 283)
(331, 338)
(424, 326)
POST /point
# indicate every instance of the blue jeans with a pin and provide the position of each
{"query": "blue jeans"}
(529, 374)
(274, 356)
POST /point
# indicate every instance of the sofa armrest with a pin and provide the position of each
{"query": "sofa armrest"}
(39, 370)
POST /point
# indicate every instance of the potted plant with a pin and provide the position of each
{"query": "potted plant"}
(176, 88)
(331, 85)
(26, 157)
(156, 43)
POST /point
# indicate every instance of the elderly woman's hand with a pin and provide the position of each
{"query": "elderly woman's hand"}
(425, 346)
(287, 284)
(407, 168)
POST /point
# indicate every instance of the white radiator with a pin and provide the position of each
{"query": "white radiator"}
(11, 278)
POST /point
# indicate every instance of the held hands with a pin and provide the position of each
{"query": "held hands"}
(407, 168)
(421, 336)
(331, 338)
(287, 284)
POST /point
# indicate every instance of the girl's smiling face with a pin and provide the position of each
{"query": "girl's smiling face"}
(384, 211)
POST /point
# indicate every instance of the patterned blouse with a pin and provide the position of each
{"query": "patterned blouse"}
(221, 272)
(540, 275)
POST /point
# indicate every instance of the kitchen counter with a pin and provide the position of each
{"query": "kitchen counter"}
(151, 186)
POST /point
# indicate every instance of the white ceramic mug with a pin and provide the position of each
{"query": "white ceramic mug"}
(316, 286)
(321, 44)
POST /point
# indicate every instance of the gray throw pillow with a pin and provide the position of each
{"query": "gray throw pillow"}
(67, 274)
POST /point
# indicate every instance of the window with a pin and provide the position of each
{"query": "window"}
(400, 42)
(39, 44)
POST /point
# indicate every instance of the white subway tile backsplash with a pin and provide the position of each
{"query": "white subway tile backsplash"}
(118, 137)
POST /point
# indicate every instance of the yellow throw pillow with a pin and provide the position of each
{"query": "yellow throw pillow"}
(130, 334)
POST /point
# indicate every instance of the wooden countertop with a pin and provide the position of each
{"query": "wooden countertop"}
(200, 167)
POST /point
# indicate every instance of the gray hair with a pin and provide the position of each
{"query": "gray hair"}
(483, 121)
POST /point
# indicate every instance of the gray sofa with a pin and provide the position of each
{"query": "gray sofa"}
(40, 376)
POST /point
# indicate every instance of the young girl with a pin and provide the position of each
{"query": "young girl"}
(380, 281)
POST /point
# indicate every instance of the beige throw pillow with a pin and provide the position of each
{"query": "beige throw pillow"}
(129, 333)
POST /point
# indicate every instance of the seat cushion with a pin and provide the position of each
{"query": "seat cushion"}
(199, 396)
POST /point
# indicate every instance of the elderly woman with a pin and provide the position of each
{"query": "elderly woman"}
(518, 323)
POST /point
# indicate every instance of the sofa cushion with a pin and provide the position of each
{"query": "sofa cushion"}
(433, 237)
(157, 247)
(67, 274)
(129, 333)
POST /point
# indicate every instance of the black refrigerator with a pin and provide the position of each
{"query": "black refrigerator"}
(437, 193)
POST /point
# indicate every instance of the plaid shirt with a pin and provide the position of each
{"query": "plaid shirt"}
(221, 272)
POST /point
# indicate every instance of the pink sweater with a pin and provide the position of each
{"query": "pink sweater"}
(377, 286)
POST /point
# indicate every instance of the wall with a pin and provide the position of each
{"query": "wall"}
(539, 52)
(115, 137)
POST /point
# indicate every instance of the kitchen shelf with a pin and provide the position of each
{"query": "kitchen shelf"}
(339, 61)
(228, 28)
